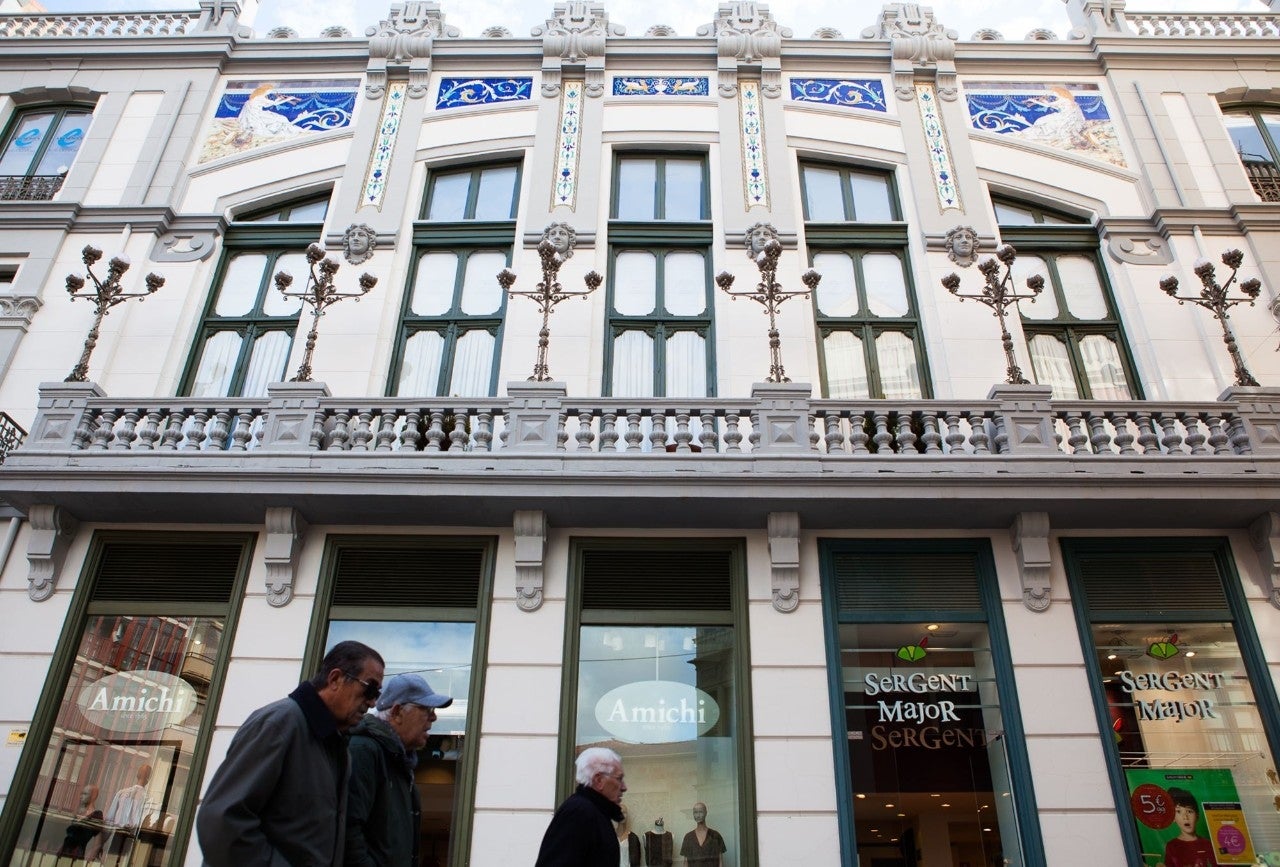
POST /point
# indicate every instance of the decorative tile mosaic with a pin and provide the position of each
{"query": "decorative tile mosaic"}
(253, 114)
(867, 93)
(632, 85)
(944, 179)
(459, 92)
(1065, 117)
(565, 188)
(755, 173)
(375, 180)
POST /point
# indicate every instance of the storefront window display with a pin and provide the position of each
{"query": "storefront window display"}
(664, 698)
(118, 763)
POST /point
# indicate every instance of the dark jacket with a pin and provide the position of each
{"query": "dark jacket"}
(383, 809)
(581, 832)
(280, 796)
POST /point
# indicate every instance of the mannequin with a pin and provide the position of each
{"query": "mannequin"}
(703, 846)
(86, 827)
(628, 843)
(659, 848)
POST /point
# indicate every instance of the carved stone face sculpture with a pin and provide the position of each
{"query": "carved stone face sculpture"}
(562, 236)
(757, 236)
(962, 245)
(358, 242)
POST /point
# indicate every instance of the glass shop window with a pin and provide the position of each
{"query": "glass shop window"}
(932, 749)
(118, 777)
(665, 695)
(416, 603)
(1183, 719)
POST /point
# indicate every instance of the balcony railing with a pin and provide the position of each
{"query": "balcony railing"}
(1221, 26)
(29, 188)
(97, 26)
(1265, 177)
(11, 435)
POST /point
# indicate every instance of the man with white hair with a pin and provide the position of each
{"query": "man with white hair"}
(581, 832)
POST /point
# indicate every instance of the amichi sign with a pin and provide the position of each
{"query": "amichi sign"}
(657, 712)
(1173, 682)
(134, 702)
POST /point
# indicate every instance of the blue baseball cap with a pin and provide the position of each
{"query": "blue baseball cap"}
(410, 689)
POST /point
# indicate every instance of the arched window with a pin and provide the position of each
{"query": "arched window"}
(1255, 132)
(40, 146)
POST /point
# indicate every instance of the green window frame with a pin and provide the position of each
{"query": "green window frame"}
(134, 606)
(40, 146)
(452, 315)
(915, 588)
(380, 588)
(1191, 582)
(621, 587)
(660, 328)
(247, 328)
(1255, 133)
(867, 320)
(1074, 337)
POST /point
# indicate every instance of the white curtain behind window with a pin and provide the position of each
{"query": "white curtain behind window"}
(472, 364)
(266, 363)
(420, 365)
(633, 364)
(898, 374)
(686, 365)
(217, 364)
(846, 366)
(1103, 368)
(1052, 366)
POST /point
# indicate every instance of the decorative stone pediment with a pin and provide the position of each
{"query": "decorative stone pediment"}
(748, 44)
(403, 41)
(922, 48)
(573, 44)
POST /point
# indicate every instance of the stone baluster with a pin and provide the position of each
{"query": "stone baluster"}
(658, 430)
(906, 438)
(173, 431)
(634, 436)
(220, 430)
(1099, 436)
(411, 435)
(483, 434)
(683, 435)
(1239, 434)
(458, 439)
(363, 434)
(194, 431)
(955, 437)
(435, 431)
(732, 433)
(1077, 439)
(882, 438)
(978, 437)
(1195, 435)
(103, 430)
(1218, 440)
(858, 436)
(243, 431)
(340, 435)
(835, 438)
(1147, 438)
(1124, 435)
(608, 430)
(128, 431)
(387, 417)
(1172, 440)
(754, 437)
(149, 432)
(708, 438)
(931, 438)
(584, 436)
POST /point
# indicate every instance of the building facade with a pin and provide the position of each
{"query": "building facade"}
(877, 577)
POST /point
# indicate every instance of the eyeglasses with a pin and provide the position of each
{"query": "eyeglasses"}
(372, 689)
(619, 777)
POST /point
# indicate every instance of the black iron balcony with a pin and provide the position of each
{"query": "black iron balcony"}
(1265, 177)
(29, 188)
(11, 435)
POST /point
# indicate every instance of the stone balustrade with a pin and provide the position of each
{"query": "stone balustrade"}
(541, 418)
(97, 26)
(1220, 26)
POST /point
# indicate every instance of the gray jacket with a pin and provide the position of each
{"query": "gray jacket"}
(280, 797)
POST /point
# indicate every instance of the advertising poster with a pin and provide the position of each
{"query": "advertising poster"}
(1189, 817)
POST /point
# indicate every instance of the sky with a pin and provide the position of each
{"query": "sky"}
(1013, 18)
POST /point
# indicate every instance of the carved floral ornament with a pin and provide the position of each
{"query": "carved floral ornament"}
(575, 36)
(921, 47)
(405, 39)
(748, 41)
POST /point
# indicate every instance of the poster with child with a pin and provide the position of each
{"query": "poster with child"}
(1189, 817)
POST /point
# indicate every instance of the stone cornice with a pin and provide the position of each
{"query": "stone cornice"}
(1217, 221)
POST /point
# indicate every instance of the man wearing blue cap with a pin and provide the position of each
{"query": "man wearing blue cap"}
(383, 808)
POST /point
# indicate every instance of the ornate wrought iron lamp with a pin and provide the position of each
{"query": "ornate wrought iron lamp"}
(1214, 298)
(999, 295)
(104, 295)
(770, 295)
(547, 295)
(319, 294)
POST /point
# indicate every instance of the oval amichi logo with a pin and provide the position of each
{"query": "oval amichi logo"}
(135, 702)
(657, 712)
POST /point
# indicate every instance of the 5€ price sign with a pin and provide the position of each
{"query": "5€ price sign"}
(1152, 806)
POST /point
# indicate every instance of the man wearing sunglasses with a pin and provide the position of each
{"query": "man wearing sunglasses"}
(280, 796)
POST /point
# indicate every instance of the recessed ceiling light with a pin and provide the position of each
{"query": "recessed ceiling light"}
(1111, 656)
(902, 815)
(946, 805)
(935, 795)
(888, 806)
(861, 795)
(1190, 653)
(988, 830)
(933, 627)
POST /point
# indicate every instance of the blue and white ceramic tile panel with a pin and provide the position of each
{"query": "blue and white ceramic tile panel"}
(460, 92)
(1066, 117)
(944, 178)
(755, 175)
(375, 179)
(252, 114)
(864, 93)
(643, 85)
(565, 189)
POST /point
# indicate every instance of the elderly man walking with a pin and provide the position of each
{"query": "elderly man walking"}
(280, 796)
(581, 832)
(383, 807)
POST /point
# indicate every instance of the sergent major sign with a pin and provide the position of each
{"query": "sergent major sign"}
(657, 712)
(133, 702)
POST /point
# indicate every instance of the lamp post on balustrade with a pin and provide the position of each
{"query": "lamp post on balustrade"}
(556, 246)
(1215, 299)
(319, 294)
(765, 249)
(104, 295)
(999, 295)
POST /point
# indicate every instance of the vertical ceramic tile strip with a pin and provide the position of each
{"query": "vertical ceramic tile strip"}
(375, 181)
(564, 189)
(944, 179)
(755, 174)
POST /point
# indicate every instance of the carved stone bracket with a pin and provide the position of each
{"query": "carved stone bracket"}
(922, 49)
(19, 307)
(178, 246)
(404, 41)
(285, 529)
(573, 44)
(52, 529)
(1030, 535)
(784, 559)
(1264, 533)
(531, 550)
(748, 44)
